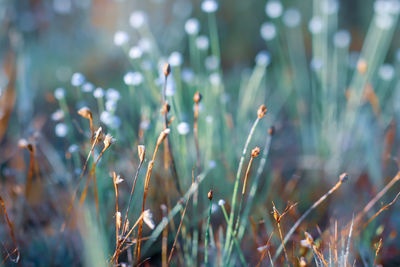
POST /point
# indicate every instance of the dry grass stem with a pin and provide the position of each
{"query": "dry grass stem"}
(12, 234)
(343, 177)
(160, 139)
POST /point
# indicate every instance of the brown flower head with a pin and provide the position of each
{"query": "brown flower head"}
(197, 97)
(85, 112)
(255, 152)
(210, 195)
(261, 111)
(141, 152)
(167, 69)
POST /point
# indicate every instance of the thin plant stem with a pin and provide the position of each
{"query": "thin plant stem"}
(255, 152)
(241, 256)
(168, 155)
(254, 184)
(177, 233)
(343, 177)
(98, 134)
(12, 233)
(382, 209)
(236, 186)
(207, 235)
(265, 251)
(159, 228)
(160, 139)
(131, 195)
(164, 238)
(372, 202)
(117, 223)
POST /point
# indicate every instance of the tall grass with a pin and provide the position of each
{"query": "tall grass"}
(331, 95)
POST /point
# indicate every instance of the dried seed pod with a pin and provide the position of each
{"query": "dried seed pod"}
(29, 147)
(108, 141)
(163, 135)
(271, 130)
(210, 195)
(167, 108)
(197, 97)
(85, 112)
(167, 69)
(261, 111)
(141, 152)
(98, 133)
(255, 152)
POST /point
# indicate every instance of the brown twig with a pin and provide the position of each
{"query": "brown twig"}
(378, 248)
(254, 153)
(97, 138)
(141, 154)
(177, 233)
(343, 177)
(160, 139)
(164, 238)
(108, 141)
(382, 209)
(117, 215)
(278, 217)
(196, 98)
(11, 230)
(372, 202)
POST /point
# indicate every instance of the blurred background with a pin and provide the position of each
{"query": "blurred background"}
(58, 56)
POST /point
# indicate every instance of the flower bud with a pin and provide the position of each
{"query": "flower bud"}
(85, 112)
(255, 152)
(210, 195)
(163, 135)
(197, 97)
(261, 111)
(141, 152)
(167, 69)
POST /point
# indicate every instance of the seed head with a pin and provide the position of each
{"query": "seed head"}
(141, 152)
(210, 195)
(108, 141)
(261, 111)
(98, 133)
(163, 135)
(344, 177)
(167, 69)
(167, 108)
(197, 97)
(255, 152)
(271, 130)
(85, 112)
